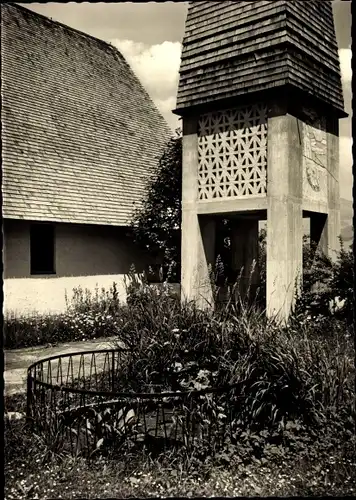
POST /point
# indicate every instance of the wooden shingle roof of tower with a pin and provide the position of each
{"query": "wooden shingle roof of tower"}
(80, 134)
(234, 48)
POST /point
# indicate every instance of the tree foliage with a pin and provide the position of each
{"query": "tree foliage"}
(156, 223)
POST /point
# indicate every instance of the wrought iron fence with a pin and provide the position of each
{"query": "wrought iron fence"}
(75, 401)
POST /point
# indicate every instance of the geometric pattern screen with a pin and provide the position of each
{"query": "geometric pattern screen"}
(232, 153)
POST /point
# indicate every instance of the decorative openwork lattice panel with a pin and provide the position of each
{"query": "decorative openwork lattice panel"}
(232, 152)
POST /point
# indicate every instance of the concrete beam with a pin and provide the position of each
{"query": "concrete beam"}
(234, 205)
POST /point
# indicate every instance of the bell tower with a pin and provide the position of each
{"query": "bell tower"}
(260, 97)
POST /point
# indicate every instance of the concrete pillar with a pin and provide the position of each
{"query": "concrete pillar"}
(333, 220)
(284, 212)
(198, 232)
(244, 250)
(325, 229)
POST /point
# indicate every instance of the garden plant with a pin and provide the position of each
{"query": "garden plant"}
(293, 426)
(293, 404)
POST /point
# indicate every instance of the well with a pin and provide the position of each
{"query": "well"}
(74, 401)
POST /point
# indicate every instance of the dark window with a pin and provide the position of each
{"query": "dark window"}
(42, 249)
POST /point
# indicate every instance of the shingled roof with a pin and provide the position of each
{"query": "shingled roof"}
(80, 134)
(234, 48)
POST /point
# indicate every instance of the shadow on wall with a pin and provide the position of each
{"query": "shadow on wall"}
(78, 250)
(86, 256)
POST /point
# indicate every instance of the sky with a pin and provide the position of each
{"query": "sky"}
(149, 35)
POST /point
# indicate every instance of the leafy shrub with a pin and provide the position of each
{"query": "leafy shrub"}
(24, 331)
(280, 373)
(93, 315)
(88, 316)
(293, 386)
(99, 302)
(342, 283)
(327, 286)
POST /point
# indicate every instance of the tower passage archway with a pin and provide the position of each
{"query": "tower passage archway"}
(260, 136)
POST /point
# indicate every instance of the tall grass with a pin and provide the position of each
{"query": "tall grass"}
(281, 373)
(293, 385)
